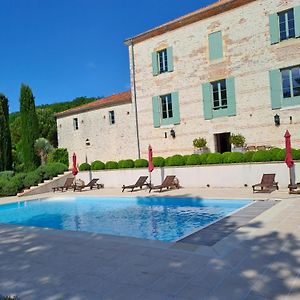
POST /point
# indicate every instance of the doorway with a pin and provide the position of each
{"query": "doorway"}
(222, 142)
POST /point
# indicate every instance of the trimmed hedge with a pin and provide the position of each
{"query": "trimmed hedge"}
(193, 160)
(85, 167)
(214, 158)
(262, 156)
(141, 163)
(158, 161)
(175, 160)
(97, 165)
(110, 165)
(126, 164)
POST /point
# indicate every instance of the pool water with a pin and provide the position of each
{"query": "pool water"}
(166, 219)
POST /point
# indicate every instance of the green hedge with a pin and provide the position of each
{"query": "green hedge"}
(214, 158)
(193, 160)
(141, 163)
(85, 167)
(158, 161)
(175, 160)
(97, 165)
(110, 165)
(126, 164)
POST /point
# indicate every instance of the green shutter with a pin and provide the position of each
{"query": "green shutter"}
(230, 91)
(275, 87)
(170, 59)
(215, 45)
(156, 113)
(274, 28)
(297, 20)
(154, 64)
(175, 107)
(207, 101)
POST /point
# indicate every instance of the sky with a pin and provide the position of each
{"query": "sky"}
(65, 49)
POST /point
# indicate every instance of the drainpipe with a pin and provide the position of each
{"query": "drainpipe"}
(134, 99)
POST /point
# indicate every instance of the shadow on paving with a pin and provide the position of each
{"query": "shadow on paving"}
(47, 264)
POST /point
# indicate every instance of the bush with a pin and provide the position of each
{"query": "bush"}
(111, 165)
(7, 174)
(214, 158)
(199, 142)
(9, 187)
(185, 158)
(85, 167)
(237, 140)
(97, 165)
(158, 161)
(296, 154)
(248, 156)
(274, 153)
(32, 178)
(203, 158)
(225, 157)
(236, 157)
(60, 155)
(176, 160)
(125, 164)
(141, 163)
(193, 159)
(261, 156)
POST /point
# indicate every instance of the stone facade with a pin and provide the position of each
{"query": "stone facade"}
(248, 56)
(96, 138)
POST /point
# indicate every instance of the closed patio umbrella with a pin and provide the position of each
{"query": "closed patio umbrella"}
(288, 157)
(74, 167)
(150, 161)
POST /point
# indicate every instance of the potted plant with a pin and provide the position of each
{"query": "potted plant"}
(238, 142)
(200, 145)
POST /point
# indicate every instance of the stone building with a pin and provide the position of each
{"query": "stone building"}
(231, 67)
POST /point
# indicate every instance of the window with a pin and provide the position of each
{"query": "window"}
(162, 61)
(166, 106)
(290, 82)
(219, 94)
(215, 45)
(111, 117)
(286, 24)
(75, 123)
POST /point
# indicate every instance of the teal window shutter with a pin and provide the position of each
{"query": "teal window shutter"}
(274, 28)
(230, 91)
(170, 59)
(154, 64)
(215, 45)
(275, 88)
(297, 20)
(207, 101)
(175, 107)
(156, 112)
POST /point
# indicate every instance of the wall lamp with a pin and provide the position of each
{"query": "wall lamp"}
(172, 133)
(277, 120)
(87, 142)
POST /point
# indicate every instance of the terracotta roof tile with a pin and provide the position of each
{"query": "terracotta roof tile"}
(112, 100)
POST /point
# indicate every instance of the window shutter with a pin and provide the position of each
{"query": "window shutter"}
(276, 90)
(207, 101)
(215, 45)
(297, 20)
(170, 59)
(230, 90)
(175, 107)
(274, 28)
(154, 64)
(156, 113)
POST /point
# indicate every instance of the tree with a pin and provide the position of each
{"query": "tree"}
(43, 148)
(5, 138)
(29, 128)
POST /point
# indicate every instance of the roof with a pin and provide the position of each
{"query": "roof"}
(216, 8)
(116, 99)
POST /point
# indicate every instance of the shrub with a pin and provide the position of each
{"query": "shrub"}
(225, 157)
(203, 158)
(59, 155)
(274, 153)
(32, 178)
(248, 156)
(167, 161)
(158, 161)
(193, 159)
(296, 154)
(19, 180)
(214, 158)
(97, 165)
(111, 165)
(237, 140)
(141, 163)
(176, 160)
(280, 156)
(261, 156)
(199, 142)
(85, 167)
(125, 164)
(9, 188)
(7, 174)
(185, 158)
(236, 157)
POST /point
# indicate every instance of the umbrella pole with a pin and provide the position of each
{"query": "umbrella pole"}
(150, 179)
(292, 175)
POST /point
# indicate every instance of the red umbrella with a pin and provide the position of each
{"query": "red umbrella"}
(150, 161)
(288, 150)
(74, 168)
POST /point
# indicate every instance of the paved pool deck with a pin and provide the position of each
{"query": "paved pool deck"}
(260, 260)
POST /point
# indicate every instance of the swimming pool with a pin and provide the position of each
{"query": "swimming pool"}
(166, 219)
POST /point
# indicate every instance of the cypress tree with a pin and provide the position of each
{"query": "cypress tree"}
(29, 127)
(5, 137)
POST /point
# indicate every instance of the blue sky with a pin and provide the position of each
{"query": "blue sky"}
(64, 49)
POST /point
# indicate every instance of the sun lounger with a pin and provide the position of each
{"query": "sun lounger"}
(167, 183)
(139, 184)
(294, 189)
(266, 185)
(92, 184)
(68, 184)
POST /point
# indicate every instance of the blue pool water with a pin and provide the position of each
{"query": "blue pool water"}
(165, 219)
